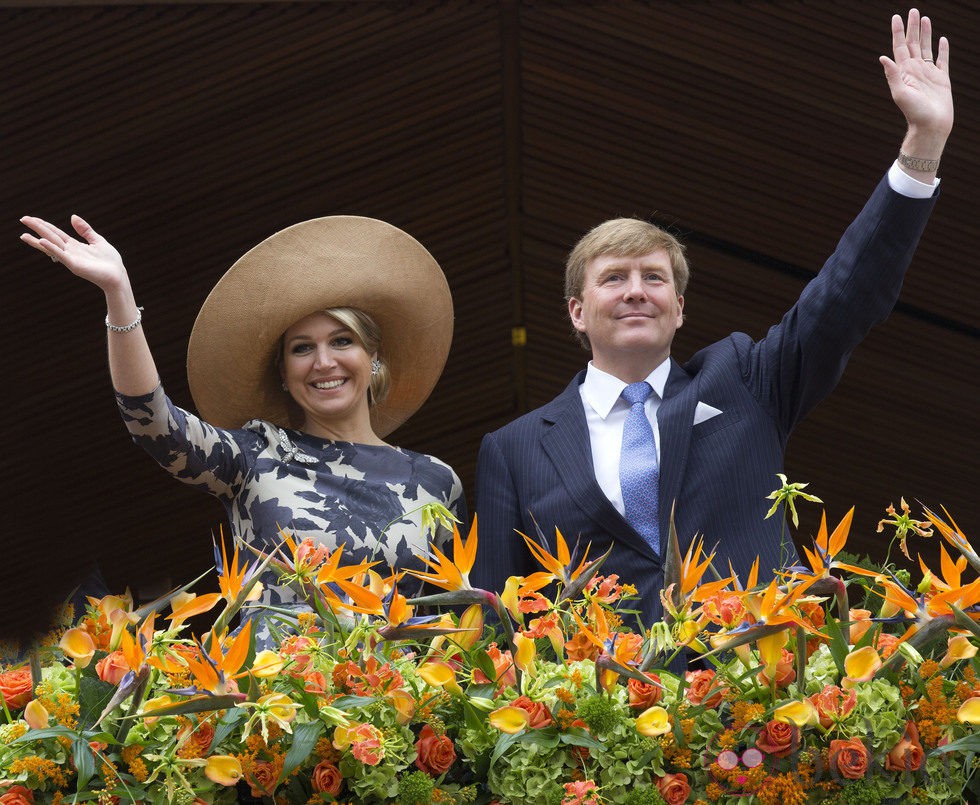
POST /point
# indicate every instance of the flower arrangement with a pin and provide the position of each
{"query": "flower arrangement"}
(544, 692)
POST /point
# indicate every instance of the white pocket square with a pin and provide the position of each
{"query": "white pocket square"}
(704, 412)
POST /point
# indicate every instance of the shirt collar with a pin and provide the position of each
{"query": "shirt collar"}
(602, 390)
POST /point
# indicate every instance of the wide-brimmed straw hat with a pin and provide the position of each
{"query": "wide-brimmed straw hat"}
(338, 261)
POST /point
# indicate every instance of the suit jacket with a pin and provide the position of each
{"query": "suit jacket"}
(717, 472)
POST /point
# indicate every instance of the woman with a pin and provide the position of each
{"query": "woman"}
(312, 347)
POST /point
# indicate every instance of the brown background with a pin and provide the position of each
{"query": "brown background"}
(496, 133)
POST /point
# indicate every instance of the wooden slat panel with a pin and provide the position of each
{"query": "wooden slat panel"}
(189, 131)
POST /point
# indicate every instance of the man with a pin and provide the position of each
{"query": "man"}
(711, 436)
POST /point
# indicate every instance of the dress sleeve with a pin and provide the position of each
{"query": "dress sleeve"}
(186, 446)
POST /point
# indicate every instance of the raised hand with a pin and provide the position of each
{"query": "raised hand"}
(919, 84)
(92, 258)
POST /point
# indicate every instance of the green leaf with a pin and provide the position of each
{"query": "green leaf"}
(970, 743)
(838, 644)
(349, 702)
(482, 661)
(226, 724)
(47, 732)
(199, 704)
(473, 719)
(547, 737)
(93, 697)
(304, 739)
(504, 743)
(84, 759)
(576, 736)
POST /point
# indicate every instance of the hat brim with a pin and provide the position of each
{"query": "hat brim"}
(338, 261)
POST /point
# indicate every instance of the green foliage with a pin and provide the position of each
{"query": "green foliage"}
(415, 789)
(600, 713)
(644, 796)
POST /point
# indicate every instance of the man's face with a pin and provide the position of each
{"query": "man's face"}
(629, 309)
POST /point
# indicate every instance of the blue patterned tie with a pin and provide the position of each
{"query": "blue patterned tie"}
(639, 469)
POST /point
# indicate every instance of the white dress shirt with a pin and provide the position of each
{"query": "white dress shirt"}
(605, 413)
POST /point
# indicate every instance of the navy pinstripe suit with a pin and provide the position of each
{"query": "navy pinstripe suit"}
(719, 471)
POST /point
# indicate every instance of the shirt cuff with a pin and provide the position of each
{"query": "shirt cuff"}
(902, 183)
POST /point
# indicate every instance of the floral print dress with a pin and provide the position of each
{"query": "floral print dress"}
(366, 497)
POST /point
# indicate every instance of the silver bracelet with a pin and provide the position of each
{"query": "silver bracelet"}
(126, 328)
(917, 164)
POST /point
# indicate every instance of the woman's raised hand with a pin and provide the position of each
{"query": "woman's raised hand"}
(92, 258)
(95, 259)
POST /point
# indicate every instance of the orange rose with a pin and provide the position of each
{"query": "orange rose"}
(112, 668)
(778, 738)
(195, 742)
(436, 753)
(16, 687)
(262, 778)
(644, 695)
(699, 684)
(907, 754)
(17, 795)
(538, 711)
(785, 671)
(833, 704)
(674, 788)
(849, 757)
(326, 778)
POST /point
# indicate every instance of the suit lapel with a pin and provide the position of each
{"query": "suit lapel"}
(566, 443)
(675, 418)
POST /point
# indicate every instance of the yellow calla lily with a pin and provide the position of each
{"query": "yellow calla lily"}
(78, 644)
(771, 651)
(958, 647)
(524, 654)
(801, 713)
(267, 664)
(223, 769)
(509, 596)
(440, 675)
(653, 721)
(969, 712)
(36, 715)
(156, 703)
(510, 719)
(404, 704)
(472, 620)
(860, 666)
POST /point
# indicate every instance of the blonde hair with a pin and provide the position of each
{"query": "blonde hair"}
(622, 237)
(367, 331)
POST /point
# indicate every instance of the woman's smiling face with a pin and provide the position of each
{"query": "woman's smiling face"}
(327, 371)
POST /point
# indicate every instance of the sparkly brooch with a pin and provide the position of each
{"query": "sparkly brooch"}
(291, 451)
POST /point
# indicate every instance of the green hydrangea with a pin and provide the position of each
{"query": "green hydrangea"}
(821, 670)
(879, 715)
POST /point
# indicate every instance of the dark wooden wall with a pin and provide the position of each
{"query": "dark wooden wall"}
(496, 133)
